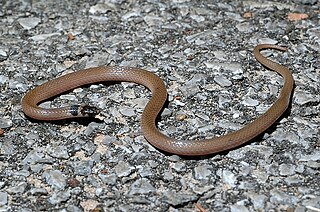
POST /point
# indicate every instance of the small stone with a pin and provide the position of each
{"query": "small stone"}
(313, 164)
(74, 208)
(247, 15)
(38, 191)
(34, 156)
(314, 156)
(58, 152)
(297, 16)
(3, 198)
(258, 200)
(175, 199)
(3, 79)
(152, 20)
(5, 123)
(98, 59)
(222, 81)
(7, 147)
(102, 8)
(145, 171)
(123, 169)
(287, 169)
(229, 178)
(174, 158)
(17, 189)
(202, 172)
(179, 166)
(267, 41)
(109, 179)
(73, 182)
(197, 18)
(82, 167)
(58, 197)
(56, 179)
(89, 147)
(3, 57)
(250, 102)
(244, 27)
(42, 37)
(278, 196)
(234, 16)
(127, 112)
(141, 186)
(24, 173)
(238, 208)
(302, 98)
(181, 117)
(130, 15)
(206, 129)
(29, 23)
(167, 175)
(293, 180)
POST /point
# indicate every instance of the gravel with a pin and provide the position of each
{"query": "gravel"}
(203, 52)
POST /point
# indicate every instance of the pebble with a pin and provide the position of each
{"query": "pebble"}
(127, 112)
(222, 81)
(109, 179)
(141, 186)
(34, 157)
(123, 169)
(167, 175)
(302, 98)
(5, 123)
(267, 4)
(287, 169)
(3, 198)
(280, 197)
(56, 179)
(82, 168)
(238, 208)
(17, 189)
(250, 102)
(268, 41)
(38, 191)
(258, 200)
(229, 178)
(3, 79)
(3, 57)
(202, 172)
(102, 8)
(59, 197)
(46, 36)
(29, 23)
(174, 198)
(58, 152)
(179, 166)
(145, 171)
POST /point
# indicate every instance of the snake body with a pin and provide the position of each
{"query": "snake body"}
(159, 95)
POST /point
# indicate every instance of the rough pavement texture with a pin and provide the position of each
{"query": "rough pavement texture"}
(203, 52)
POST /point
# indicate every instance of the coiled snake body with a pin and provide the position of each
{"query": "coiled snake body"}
(159, 95)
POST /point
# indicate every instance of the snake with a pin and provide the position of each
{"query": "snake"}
(52, 88)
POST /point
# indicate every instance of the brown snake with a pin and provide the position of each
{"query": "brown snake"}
(159, 95)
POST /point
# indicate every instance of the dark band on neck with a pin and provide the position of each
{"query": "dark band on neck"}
(74, 110)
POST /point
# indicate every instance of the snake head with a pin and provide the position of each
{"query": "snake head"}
(83, 111)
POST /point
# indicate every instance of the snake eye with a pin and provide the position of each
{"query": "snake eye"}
(90, 111)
